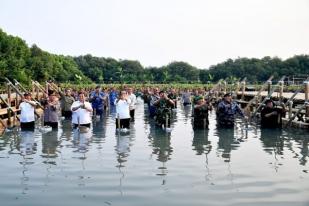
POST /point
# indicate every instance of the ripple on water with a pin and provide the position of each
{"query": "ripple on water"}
(152, 167)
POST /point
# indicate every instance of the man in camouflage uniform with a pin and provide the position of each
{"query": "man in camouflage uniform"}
(163, 111)
(201, 109)
(227, 109)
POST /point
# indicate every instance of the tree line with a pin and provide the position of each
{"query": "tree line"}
(23, 63)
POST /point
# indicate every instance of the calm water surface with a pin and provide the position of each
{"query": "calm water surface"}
(151, 167)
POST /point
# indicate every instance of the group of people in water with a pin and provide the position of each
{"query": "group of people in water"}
(81, 106)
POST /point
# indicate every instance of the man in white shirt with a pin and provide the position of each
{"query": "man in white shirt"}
(27, 108)
(123, 111)
(81, 112)
(132, 98)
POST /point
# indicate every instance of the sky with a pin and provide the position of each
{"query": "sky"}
(157, 32)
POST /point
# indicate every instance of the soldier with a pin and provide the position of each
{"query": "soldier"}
(271, 117)
(201, 109)
(66, 102)
(163, 111)
(173, 96)
(227, 110)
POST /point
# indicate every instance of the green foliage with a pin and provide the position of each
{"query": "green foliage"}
(257, 70)
(18, 61)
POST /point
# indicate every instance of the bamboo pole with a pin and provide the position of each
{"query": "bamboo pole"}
(9, 94)
(9, 105)
(243, 89)
(33, 90)
(46, 87)
(307, 97)
(290, 109)
(269, 83)
(37, 92)
(281, 86)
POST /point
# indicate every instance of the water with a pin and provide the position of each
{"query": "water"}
(151, 167)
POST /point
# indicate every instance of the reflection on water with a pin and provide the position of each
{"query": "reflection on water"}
(227, 142)
(201, 143)
(160, 141)
(27, 144)
(242, 165)
(277, 142)
(81, 140)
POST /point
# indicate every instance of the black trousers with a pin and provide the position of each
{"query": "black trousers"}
(124, 123)
(67, 114)
(132, 114)
(84, 125)
(54, 125)
(27, 126)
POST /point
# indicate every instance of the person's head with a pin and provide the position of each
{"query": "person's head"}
(68, 92)
(81, 96)
(97, 88)
(123, 94)
(200, 100)
(196, 92)
(130, 90)
(228, 97)
(269, 103)
(156, 90)
(27, 96)
(162, 94)
(52, 96)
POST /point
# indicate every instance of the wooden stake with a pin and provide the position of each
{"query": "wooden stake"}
(33, 90)
(243, 89)
(9, 94)
(269, 83)
(281, 91)
(307, 97)
(290, 109)
(9, 105)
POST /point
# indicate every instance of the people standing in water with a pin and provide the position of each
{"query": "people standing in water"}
(51, 111)
(198, 93)
(153, 98)
(81, 112)
(186, 97)
(227, 110)
(123, 111)
(112, 96)
(201, 109)
(66, 100)
(97, 99)
(163, 111)
(27, 113)
(147, 96)
(132, 98)
(173, 96)
(271, 117)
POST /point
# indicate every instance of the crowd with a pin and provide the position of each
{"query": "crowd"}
(81, 106)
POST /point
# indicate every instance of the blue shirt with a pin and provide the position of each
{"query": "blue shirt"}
(226, 112)
(96, 100)
(112, 97)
